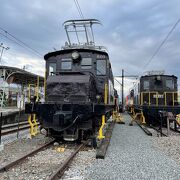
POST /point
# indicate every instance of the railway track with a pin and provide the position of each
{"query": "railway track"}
(21, 159)
(147, 130)
(56, 171)
(12, 128)
(144, 128)
(164, 130)
(14, 125)
(63, 167)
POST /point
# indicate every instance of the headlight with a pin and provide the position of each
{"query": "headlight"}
(75, 55)
(98, 97)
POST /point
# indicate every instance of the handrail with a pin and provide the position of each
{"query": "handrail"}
(164, 94)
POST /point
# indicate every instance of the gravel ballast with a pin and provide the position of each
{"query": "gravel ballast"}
(20, 147)
(132, 155)
(38, 167)
(79, 165)
(169, 145)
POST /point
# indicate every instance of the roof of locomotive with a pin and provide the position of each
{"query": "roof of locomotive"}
(154, 75)
(64, 51)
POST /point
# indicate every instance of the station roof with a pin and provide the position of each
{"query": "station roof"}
(19, 76)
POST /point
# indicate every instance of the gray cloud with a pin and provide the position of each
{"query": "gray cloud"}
(132, 31)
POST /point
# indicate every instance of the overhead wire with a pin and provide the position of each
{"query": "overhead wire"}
(19, 42)
(162, 43)
(159, 47)
(79, 8)
(82, 16)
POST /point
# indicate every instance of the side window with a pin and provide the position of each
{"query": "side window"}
(146, 85)
(101, 67)
(169, 84)
(86, 63)
(66, 64)
(52, 68)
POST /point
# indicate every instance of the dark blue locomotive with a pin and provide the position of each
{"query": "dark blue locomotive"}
(79, 86)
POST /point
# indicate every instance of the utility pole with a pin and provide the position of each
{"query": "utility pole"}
(3, 47)
(122, 90)
(122, 85)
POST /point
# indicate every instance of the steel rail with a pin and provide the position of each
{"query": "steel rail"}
(144, 128)
(14, 130)
(15, 162)
(159, 131)
(9, 126)
(60, 171)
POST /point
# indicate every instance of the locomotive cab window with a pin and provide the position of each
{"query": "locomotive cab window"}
(66, 64)
(146, 85)
(86, 63)
(169, 84)
(52, 69)
(101, 67)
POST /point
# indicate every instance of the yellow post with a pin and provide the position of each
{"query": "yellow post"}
(35, 125)
(100, 136)
(105, 93)
(37, 88)
(143, 118)
(156, 98)
(165, 103)
(141, 98)
(133, 113)
(173, 98)
(32, 133)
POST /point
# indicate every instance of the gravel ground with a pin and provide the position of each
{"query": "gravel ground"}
(20, 147)
(12, 137)
(131, 155)
(164, 130)
(38, 167)
(79, 165)
(169, 145)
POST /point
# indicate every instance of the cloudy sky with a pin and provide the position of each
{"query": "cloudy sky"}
(131, 31)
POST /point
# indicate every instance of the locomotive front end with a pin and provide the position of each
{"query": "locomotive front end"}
(77, 77)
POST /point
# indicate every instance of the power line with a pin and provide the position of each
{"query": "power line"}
(162, 43)
(79, 8)
(19, 42)
(160, 46)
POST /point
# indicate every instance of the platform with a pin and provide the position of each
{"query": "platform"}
(11, 115)
(131, 155)
(9, 110)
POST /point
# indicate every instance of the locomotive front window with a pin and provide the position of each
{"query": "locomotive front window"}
(146, 85)
(52, 68)
(66, 64)
(169, 84)
(101, 67)
(86, 63)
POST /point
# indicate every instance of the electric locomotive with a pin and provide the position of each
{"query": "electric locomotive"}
(79, 86)
(154, 92)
